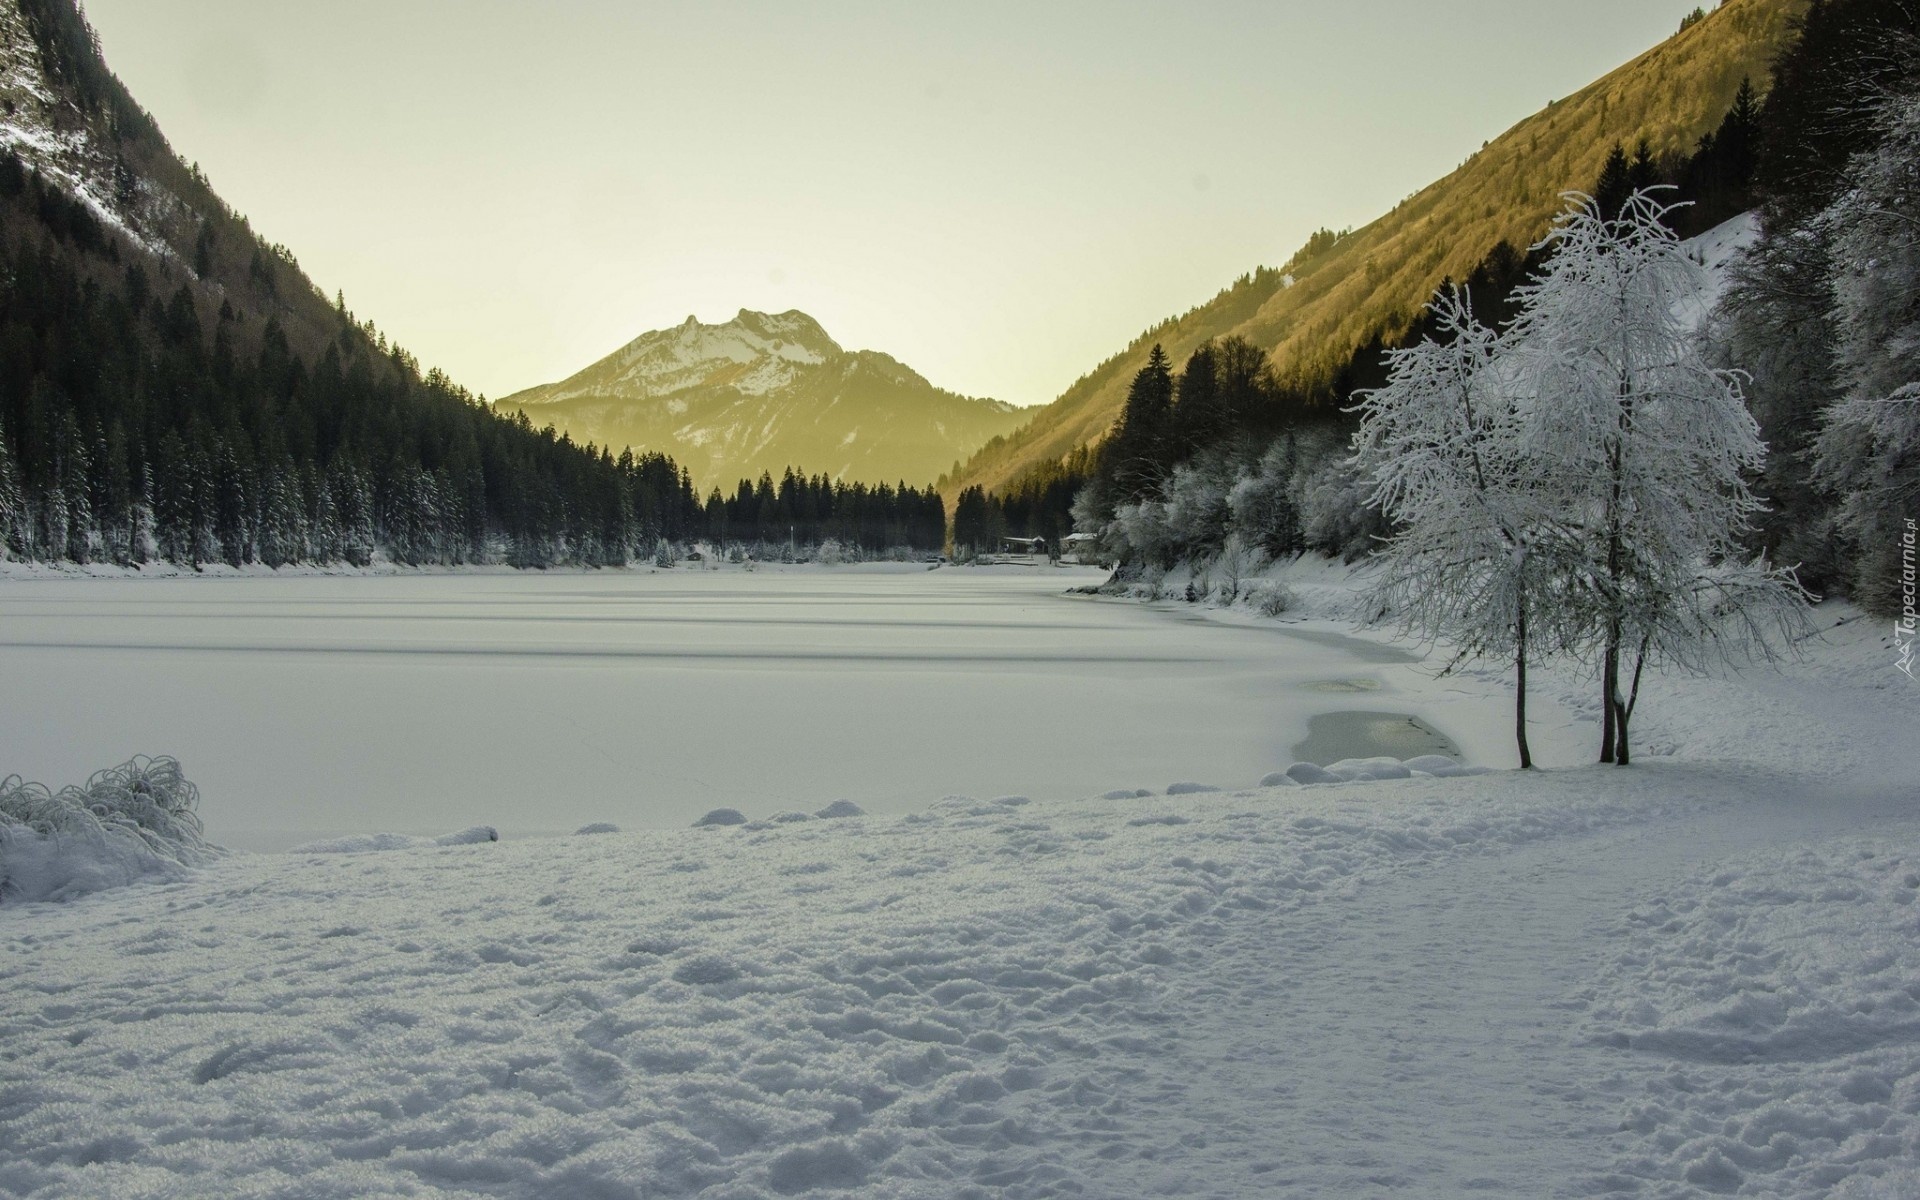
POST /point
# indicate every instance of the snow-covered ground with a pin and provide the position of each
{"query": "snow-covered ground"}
(1696, 976)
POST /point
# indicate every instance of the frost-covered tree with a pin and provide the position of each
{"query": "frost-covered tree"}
(1869, 450)
(352, 513)
(283, 526)
(1648, 448)
(14, 534)
(1445, 447)
(1262, 504)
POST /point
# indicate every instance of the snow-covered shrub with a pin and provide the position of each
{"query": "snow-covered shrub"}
(1261, 502)
(1234, 565)
(147, 797)
(830, 554)
(125, 822)
(1197, 514)
(1334, 517)
(1191, 517)
(1141, 531)
(1271, 599)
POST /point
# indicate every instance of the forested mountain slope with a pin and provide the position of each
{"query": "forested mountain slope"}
(1340, 292)
(173, 386)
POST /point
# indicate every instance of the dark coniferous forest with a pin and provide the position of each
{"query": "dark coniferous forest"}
(173, 387)
(1217, 458)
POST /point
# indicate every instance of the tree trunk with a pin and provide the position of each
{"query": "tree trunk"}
(1627, 706)
(1520, 693)
(1609, 688)
(1620, 757)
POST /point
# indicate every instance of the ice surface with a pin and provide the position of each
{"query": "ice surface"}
(315, 708)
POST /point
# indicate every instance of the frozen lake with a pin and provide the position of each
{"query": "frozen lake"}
(307, 707)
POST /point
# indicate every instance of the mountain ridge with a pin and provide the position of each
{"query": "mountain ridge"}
(764, 392)
(1339, 291)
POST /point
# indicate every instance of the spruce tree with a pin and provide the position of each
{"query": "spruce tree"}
(13, 503)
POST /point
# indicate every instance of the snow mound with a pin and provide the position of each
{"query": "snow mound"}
(721, 816)
(1782, 992)
(468, 837)
(841, 808)
(363, 843)
(1353, 769)
(596, 827)
(1361, 770)
(1190, 789)
(125, 823)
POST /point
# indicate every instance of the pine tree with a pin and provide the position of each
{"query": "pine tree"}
(13, 503)
(1615, 185)
(233, 488)
(77, 539)
(1138, 455)
(204, 532)
(1197, 416)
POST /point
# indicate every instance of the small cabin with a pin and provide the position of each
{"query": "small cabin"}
(1080, 548)
(1019, 552)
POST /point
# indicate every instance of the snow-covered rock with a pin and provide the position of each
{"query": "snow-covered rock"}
(364, 843)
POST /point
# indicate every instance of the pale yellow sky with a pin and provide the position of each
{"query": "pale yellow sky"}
(1000, 195)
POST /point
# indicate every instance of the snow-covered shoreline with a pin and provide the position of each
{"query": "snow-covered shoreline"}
(19, 570)
(1697, 975)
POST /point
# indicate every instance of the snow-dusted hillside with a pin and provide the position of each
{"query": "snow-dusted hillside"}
(69, 146)
(764, 392)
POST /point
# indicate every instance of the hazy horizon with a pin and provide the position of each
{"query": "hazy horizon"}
(1000, 199)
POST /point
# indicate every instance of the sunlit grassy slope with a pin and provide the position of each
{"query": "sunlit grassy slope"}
(1378, 276)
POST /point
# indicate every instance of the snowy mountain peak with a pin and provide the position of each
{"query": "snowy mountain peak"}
(754, 353)
(765, 391)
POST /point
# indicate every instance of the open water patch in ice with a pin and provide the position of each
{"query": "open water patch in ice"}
(1360, 734)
